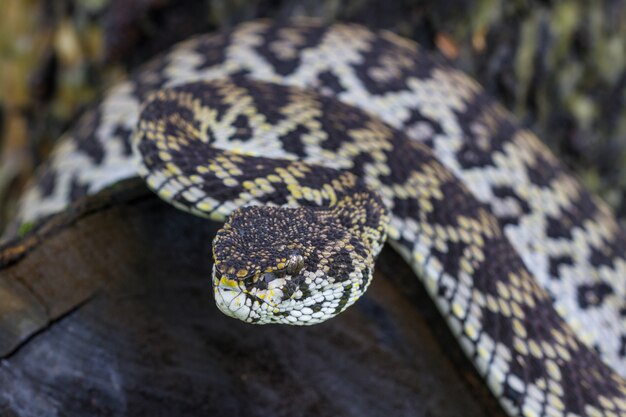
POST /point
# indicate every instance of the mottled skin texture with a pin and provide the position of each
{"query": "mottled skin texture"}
(301, 263)
(526, 266)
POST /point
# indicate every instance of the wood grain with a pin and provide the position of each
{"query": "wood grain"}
(108, 310)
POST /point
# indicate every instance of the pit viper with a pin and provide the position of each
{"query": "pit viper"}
(313, 143)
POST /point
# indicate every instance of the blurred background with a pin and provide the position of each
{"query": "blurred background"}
(560, 66)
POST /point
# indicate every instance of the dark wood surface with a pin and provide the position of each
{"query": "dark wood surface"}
(108, 310)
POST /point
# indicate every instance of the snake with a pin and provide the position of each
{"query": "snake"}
(315, 144)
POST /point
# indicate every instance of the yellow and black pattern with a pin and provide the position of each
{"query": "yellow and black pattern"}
(525, 264)
(300, 263)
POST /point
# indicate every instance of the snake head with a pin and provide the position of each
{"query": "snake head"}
(287, 265)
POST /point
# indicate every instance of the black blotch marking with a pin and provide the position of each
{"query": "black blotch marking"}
(593, 295)
(556, 262)
(338, 119)
(560, 227)
(543, 171)
(46, 182)
(622, 346)
(451, 257)
(284, 51)
(243, 131)
(457, 200)
(124, 135)
(210, 95)
(602, 256)
(610, 251)
(329, 81)
(422, 128)
(84, 136)
(395, 62)
(77, 190)
(579, 210)
(496, 130)
(210, 134)
(292, 141)
(507, 193)
(213, 49)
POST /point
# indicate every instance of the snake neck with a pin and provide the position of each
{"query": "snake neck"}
(364, 214)
(275, 264)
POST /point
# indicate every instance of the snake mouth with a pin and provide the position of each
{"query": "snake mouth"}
(235, 299)
(278, 303)
(285, 301)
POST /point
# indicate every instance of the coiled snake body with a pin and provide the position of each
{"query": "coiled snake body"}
(525, 264)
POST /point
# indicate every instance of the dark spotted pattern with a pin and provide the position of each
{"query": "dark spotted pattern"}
(487, 216)
(500, 307)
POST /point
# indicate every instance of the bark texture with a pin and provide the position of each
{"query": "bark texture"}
(108, 310)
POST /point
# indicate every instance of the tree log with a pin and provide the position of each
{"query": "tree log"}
(107, 309)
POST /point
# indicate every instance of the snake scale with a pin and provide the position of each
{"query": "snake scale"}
(335, 136)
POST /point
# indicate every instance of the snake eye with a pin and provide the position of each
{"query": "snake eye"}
(294, 264)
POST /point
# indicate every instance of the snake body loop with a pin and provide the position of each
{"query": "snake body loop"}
(298, 264)
(314, 143)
